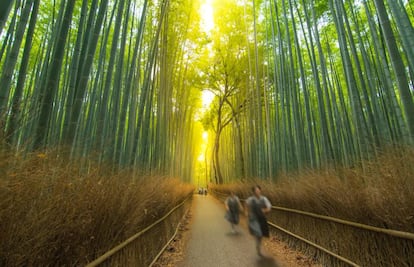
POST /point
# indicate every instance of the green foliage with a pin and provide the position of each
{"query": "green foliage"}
(295, 82)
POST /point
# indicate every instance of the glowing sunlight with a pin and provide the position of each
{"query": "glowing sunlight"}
(207, 16)
(206, 98)
(201, 157)
(203, 146)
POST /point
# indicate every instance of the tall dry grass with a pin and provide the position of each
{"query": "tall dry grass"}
(53, 214)
(380, 192)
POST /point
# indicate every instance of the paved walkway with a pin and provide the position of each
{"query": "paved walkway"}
(211, 242)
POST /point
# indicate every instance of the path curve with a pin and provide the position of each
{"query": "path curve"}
(211, 242)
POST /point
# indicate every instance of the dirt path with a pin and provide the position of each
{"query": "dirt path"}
(205, 239)
(211, 242)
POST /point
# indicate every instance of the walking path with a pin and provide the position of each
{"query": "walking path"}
(211, 242)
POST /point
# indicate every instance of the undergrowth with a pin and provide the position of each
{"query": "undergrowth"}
(379, 192)
(55, 213)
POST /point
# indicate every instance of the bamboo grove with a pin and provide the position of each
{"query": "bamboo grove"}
(308, 84)
(297, 84)
(103, 79)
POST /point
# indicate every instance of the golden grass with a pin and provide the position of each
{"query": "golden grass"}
(53, 214)
(379, 194)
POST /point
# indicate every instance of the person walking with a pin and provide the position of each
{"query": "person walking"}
(257, 207)
(233, 208)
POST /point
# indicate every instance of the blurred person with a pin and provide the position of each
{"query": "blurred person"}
(233, 208)
(257, 207)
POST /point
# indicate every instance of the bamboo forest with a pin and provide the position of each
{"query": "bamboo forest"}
(114, 113)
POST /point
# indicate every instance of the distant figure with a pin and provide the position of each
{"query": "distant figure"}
(205, 191)
(233, 208)
(257, 207)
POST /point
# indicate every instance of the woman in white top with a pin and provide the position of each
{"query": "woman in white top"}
(257, 207)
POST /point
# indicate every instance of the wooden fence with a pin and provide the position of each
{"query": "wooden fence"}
(144, 248)
(336, 242)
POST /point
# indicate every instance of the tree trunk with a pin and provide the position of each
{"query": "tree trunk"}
(18, 92)
(52, 80)
(4, 12)
(398, 66)
(12, 57)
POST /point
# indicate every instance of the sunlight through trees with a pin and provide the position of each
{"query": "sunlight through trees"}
(291, 84)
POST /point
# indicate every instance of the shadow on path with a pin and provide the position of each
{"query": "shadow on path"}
(267, 262)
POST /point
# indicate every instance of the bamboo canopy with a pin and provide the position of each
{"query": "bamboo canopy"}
(293, 84)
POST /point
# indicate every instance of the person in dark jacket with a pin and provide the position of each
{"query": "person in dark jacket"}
(233, 208)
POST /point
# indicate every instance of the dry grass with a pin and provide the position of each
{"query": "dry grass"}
(380, 194)
(52, 214)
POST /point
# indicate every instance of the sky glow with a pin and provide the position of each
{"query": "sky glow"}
(207, 16)
(206, 99)
(203, 147)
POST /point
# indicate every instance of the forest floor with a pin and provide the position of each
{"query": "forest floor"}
(205, 239)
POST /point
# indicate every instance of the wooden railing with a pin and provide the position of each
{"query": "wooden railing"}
(144, 248)
(337, 242)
